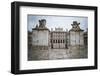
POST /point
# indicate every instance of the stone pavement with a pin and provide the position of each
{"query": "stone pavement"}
(53, 54)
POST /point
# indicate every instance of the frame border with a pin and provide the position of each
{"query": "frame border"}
(15, 37)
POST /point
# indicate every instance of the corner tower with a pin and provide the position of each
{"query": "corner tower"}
(40, 35)
(76, 34)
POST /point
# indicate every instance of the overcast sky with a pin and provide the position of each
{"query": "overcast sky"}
(57, 21)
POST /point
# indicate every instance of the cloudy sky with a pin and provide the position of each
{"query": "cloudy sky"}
(57, 21)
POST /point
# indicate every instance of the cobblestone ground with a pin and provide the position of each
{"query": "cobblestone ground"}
(53, 54)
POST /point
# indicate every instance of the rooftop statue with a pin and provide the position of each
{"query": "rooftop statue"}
(75, 26)
(42, 23)
(41, 26)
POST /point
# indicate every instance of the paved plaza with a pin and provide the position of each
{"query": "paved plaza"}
(53, 54)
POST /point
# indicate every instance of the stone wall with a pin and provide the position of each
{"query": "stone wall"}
(40, 38)
(76, 38)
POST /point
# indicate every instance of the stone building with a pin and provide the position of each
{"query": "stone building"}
(58, 38)
(86, 38)
(29, 39)
(76, 35)
(43, 38)
(40, 35)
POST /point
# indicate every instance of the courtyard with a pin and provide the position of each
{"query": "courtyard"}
(54, 54)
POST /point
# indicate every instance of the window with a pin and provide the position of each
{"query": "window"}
(63, 41)
(53, 41)
(56, 41)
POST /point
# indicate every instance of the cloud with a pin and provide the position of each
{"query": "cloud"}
(57, 21)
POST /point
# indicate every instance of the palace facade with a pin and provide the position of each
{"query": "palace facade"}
(43, 38)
